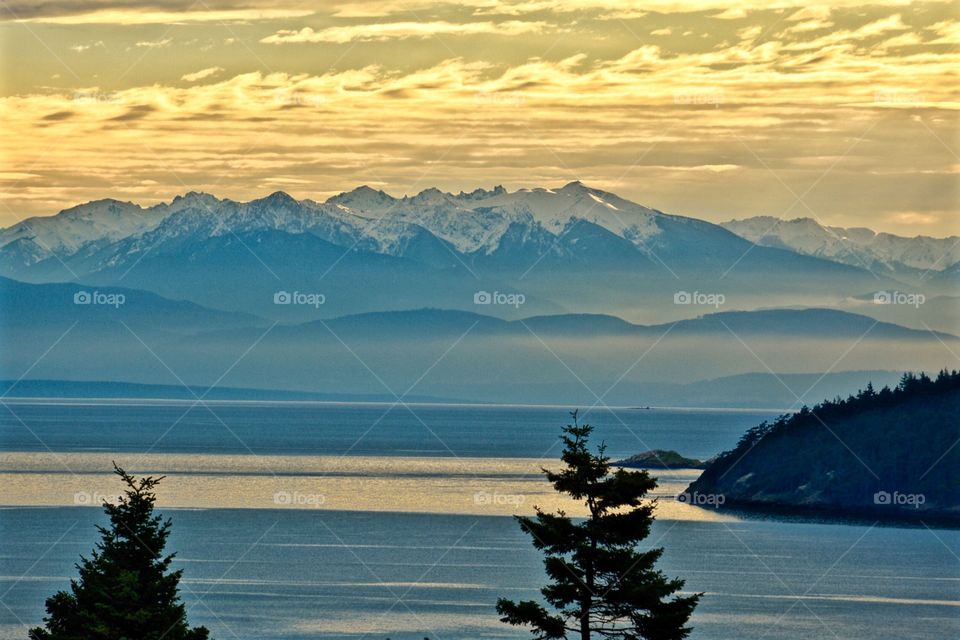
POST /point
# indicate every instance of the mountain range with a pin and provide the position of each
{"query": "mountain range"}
(909, 259)
(570, 250)
(536, 295)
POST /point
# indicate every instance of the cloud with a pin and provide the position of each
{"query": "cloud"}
(16, 175)
(57, 116)
(89, 14)
(154, 44)
(132, 12)
(609, 9)
(811, 12)
(914, 217)
(135, 112)
(809, 25)
(202, 74)
(402, 30)
(656, 123)
(948, 30)
(845, 38)
(80, 48)
(731, 14)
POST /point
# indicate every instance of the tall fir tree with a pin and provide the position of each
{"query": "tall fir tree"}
(125, 590)
(601, 584)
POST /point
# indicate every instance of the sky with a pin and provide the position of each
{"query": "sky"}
(839, 111)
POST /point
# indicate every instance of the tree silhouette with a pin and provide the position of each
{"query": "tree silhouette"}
(600, 583)
(125, 590)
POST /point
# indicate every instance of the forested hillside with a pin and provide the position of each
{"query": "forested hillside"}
(892, 452)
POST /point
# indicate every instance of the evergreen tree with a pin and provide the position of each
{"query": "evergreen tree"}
(125, 590)
(600, 582)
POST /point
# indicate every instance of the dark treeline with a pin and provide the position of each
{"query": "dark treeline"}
(847, 453)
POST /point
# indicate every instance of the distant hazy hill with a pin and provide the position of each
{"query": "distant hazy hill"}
(566, 359)
(756, 390)
(880, 454)
(56, 306)
(65, 389)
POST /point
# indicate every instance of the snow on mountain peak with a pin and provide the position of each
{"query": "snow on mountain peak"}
(279, 198)
(476, 221)
(470, 222)
(574, 187)
(480, 193)
(556, 210)
(192, 199)
(104, 220)
(363, 199)
(432, 197)
(856, 246)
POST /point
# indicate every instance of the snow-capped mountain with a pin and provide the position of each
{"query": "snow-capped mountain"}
(573, 248)
(71, 229)
(856, 246)
(477, 221)
(469, 222)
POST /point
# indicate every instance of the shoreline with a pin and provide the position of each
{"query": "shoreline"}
(150, 401)
(781, 512)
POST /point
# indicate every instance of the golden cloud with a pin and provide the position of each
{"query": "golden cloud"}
(202, 74)
(402, 30)
(863, 114)
(146, 15)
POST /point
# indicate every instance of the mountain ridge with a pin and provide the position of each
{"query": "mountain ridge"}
(857, 246)
(574, 249)
(365, 199)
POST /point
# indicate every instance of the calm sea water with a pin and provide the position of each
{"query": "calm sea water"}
(398, 570)
(370, 429)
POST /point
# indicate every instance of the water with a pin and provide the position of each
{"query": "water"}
(295, 574)
(424, 557)
(366, 429)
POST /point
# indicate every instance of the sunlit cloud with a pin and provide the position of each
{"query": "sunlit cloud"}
(154, 44)
(148, 16)
(622, 8)
(948, 30)
(401, 30)
(913, 217)
(202, 74)
(80, 48)
(857, 109)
